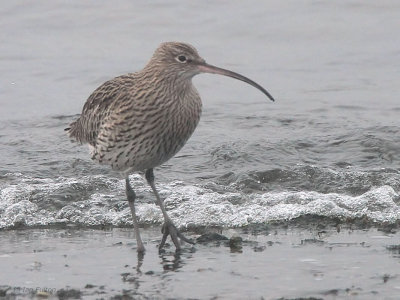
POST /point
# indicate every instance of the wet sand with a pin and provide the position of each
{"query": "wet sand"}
(254, 263)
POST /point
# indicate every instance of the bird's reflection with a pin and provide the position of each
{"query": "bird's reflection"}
(394, 250)
(173, 261)
(132, 278)
(140, 258)
(170, 260)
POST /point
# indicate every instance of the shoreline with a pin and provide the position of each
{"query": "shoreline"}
(274, 263)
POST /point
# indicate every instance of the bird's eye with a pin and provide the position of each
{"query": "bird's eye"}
(182, 58)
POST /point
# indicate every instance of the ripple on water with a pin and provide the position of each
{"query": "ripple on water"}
(100, 200)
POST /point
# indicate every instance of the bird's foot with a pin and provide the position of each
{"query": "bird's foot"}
(170, 229)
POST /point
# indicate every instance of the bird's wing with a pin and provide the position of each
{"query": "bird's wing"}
(97, 109)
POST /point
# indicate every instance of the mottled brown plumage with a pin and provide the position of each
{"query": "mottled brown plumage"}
(138, 121)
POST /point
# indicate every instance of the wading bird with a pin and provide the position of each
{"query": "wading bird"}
(138, 121)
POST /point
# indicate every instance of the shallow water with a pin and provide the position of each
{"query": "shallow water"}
(329, 146)
(326, 151)
(269, 263)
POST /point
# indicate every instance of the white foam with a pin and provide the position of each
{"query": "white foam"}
(199, 207)
(188, 205)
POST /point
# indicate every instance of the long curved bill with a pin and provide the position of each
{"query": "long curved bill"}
(206, 68)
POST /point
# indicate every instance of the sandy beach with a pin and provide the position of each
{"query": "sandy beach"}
(253, 263)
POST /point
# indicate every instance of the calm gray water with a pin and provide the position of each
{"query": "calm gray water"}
(328, 147)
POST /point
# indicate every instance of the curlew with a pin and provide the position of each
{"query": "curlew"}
(138, 121)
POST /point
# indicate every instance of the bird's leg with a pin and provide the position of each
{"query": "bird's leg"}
(168, 228)
(130, 193)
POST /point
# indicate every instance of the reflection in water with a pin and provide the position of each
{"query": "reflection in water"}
(140, 258)
(132, 278)
(175, 261)
(394, 250)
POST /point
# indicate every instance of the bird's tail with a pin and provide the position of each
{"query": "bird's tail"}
(73, 132)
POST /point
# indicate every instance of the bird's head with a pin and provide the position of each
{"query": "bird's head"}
(183, 60)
